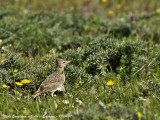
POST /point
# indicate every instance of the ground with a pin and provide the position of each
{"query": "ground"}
(115, 53)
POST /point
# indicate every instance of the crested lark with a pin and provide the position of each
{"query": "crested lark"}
(53, 81)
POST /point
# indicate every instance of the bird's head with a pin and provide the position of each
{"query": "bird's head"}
(62, 63)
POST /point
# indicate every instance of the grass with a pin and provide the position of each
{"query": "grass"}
(120, 48)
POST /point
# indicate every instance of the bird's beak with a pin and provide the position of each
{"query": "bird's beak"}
(68, 61)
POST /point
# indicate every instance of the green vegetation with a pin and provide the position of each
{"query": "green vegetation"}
(114, 73)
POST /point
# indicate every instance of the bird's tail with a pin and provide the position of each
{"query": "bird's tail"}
(35, 94)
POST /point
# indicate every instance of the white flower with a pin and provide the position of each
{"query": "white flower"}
(61, 88)
(141, 98)
(79, 101)
(0, 41)
(55, 105)
(3, 48)
(70, 95)
(25, 11)
(65, 101)
(102, 104)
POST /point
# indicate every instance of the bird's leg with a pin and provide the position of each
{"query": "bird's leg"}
(35, 94)
(52, 93)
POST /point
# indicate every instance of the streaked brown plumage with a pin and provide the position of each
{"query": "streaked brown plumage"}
(53, 81)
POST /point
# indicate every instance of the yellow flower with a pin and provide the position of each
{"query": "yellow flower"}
(104, 1)
(110, 12)
(139, 115)
(110, 83)
(19, 83)
(25, 81)
(118, 6)
(126, 8)
(4, 86)
(109, 104)
(158, 10)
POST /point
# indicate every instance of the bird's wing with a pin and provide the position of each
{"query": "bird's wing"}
(52, 82)
(49, 87)
(53, 78)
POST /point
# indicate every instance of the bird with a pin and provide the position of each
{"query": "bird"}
(54, 80)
